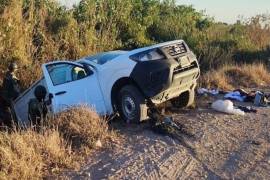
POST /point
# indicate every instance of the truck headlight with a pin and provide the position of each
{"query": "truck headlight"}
(149, 55)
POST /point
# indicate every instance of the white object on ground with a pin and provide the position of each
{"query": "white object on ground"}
(211, 91)
(236, 95)
(226, 106)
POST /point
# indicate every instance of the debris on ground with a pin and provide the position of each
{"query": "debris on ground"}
(259, 98)
(226, 106)
(224, 147)
(208, 91)
(247, 109)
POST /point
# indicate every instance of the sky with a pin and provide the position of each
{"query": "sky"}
(222, 10)
(229, 10)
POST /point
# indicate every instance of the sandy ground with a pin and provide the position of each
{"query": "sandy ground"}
(223, 147)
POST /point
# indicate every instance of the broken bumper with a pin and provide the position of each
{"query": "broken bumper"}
(162, 80)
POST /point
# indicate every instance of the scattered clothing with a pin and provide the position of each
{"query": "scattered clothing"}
(247, 109)
(206, 91)
(226, 106)
(235, 95)
(257, 97)
(239, 95)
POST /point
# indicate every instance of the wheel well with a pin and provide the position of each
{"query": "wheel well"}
(118, 85)
(184, 95)
(181, 100)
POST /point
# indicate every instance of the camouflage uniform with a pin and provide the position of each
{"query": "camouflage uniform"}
(11, 87)
(37, 111)
(10, 91)
(5, 118)
(38, 107)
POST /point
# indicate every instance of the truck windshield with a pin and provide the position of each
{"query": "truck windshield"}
(102, 58)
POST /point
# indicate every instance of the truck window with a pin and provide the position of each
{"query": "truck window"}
(63, 73)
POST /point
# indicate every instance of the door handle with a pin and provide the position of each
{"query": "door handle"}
(60, 93)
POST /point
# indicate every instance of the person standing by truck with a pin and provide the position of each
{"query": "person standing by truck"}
(11, 84)
(10, 91)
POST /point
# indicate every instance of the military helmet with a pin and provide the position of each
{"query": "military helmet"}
(40, 92)
(12, 66)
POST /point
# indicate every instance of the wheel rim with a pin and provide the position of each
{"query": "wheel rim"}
(129, 107)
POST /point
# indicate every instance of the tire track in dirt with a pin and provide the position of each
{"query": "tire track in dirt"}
(251, 153)
(155, 165)
(224, 147)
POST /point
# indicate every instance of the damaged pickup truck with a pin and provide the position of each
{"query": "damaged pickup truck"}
(119, 81)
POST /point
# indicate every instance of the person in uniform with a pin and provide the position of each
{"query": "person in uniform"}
(11, 84)
(38, 106)
(10, 91)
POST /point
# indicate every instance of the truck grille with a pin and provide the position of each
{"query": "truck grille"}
(180, 69)
(176, 49)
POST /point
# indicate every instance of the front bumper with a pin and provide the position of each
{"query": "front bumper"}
(162, 80)
(181, 83)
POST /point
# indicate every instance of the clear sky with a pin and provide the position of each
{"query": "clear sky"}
(222, 10)
(229, 10)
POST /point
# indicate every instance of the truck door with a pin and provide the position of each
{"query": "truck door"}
(73, 84)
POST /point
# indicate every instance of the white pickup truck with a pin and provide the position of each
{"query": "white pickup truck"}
(119, 81)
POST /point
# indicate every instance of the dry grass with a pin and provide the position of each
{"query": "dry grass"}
(230, 77)
(63, 144)
(82, 127)
(28, 154)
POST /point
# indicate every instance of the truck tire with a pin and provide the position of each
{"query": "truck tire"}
(131, 104)
(184, 100)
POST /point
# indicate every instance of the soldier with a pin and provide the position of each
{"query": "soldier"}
(4, 113)
(11, 84)
(38, 107)
(10, 91)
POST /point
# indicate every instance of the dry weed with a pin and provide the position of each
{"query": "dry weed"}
(28, 154)
(81, 126)
(62, 144)
(242, 76)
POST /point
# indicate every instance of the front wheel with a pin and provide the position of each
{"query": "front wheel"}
(131, 104)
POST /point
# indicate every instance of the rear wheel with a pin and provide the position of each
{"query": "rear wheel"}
(131, 104)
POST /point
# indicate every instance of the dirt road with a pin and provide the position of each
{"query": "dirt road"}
(224, 147)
